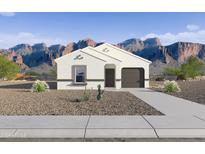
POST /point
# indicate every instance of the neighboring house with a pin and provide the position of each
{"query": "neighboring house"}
(107, 65)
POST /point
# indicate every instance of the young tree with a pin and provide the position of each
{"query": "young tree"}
(8, 69)
(193, 67)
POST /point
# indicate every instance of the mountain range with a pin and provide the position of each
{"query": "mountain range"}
(40, 57)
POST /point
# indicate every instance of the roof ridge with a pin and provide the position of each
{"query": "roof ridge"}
(126, 52)
(78, 50)
(105, 54)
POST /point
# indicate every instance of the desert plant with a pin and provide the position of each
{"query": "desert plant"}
(40, 86)
(76, 100)
(192, 68)
(99, 92)
(172, 71)
(86, 95)
(171, 86)
(8, 69)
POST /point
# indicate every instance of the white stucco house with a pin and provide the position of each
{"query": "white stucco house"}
(107, 65)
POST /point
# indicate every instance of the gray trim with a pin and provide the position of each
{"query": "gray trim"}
(95, 80)
(64, 79)
(146, 79)
(88, 80)
(93, 56)
(78, 84)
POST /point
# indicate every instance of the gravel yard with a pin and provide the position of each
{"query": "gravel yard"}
(15, 101)
(190, 90)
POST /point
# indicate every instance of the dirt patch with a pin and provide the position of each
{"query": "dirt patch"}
(190, 90)
(58, 102)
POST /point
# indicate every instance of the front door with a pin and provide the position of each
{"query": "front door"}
(109, 77)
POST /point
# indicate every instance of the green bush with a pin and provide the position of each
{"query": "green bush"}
(172, 71)
(192, 68)
(40, 86)
(171, 86)
(8, 69)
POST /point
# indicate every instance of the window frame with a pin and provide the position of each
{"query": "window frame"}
(75, 73)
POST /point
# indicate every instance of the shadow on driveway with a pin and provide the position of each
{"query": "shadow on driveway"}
(52, 85)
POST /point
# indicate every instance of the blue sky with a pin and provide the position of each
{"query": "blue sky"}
(61, 28)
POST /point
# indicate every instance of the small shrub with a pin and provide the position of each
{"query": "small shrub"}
(86, 95)
(171, 86)
(40, 86)
(76, 100)
(99, 92)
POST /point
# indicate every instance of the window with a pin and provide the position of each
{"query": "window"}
(80, 72)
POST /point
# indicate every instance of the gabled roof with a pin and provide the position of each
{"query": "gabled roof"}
(57, 59)
(124, 51)
(82, 51)
(102, 56)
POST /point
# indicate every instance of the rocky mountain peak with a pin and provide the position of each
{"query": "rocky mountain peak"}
(71, 46)
(152, 42)
(151, 49)
(39, 47)
(20, 47)
(56, 48)
(86, 42)
(132, 45)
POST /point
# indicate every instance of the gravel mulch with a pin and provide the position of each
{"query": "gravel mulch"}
(59, 102)
(190, 90)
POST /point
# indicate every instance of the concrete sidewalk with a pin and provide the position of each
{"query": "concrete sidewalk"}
(85, 127)
(182, 119)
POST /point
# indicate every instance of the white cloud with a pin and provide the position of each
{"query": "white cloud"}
(192, 27)
(10, 40)
(7, 14)
(187, 36)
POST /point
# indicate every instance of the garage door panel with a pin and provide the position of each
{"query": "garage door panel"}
(132, 77)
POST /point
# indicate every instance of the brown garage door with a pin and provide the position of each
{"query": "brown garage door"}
(132, 78)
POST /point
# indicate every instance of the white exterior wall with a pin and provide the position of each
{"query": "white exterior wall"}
(94, 71)
(90, 85)
(64, 66)
(127, 61)
(95, 60)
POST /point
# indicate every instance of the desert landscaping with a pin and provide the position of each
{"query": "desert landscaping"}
(191, 90)
(17, 99)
